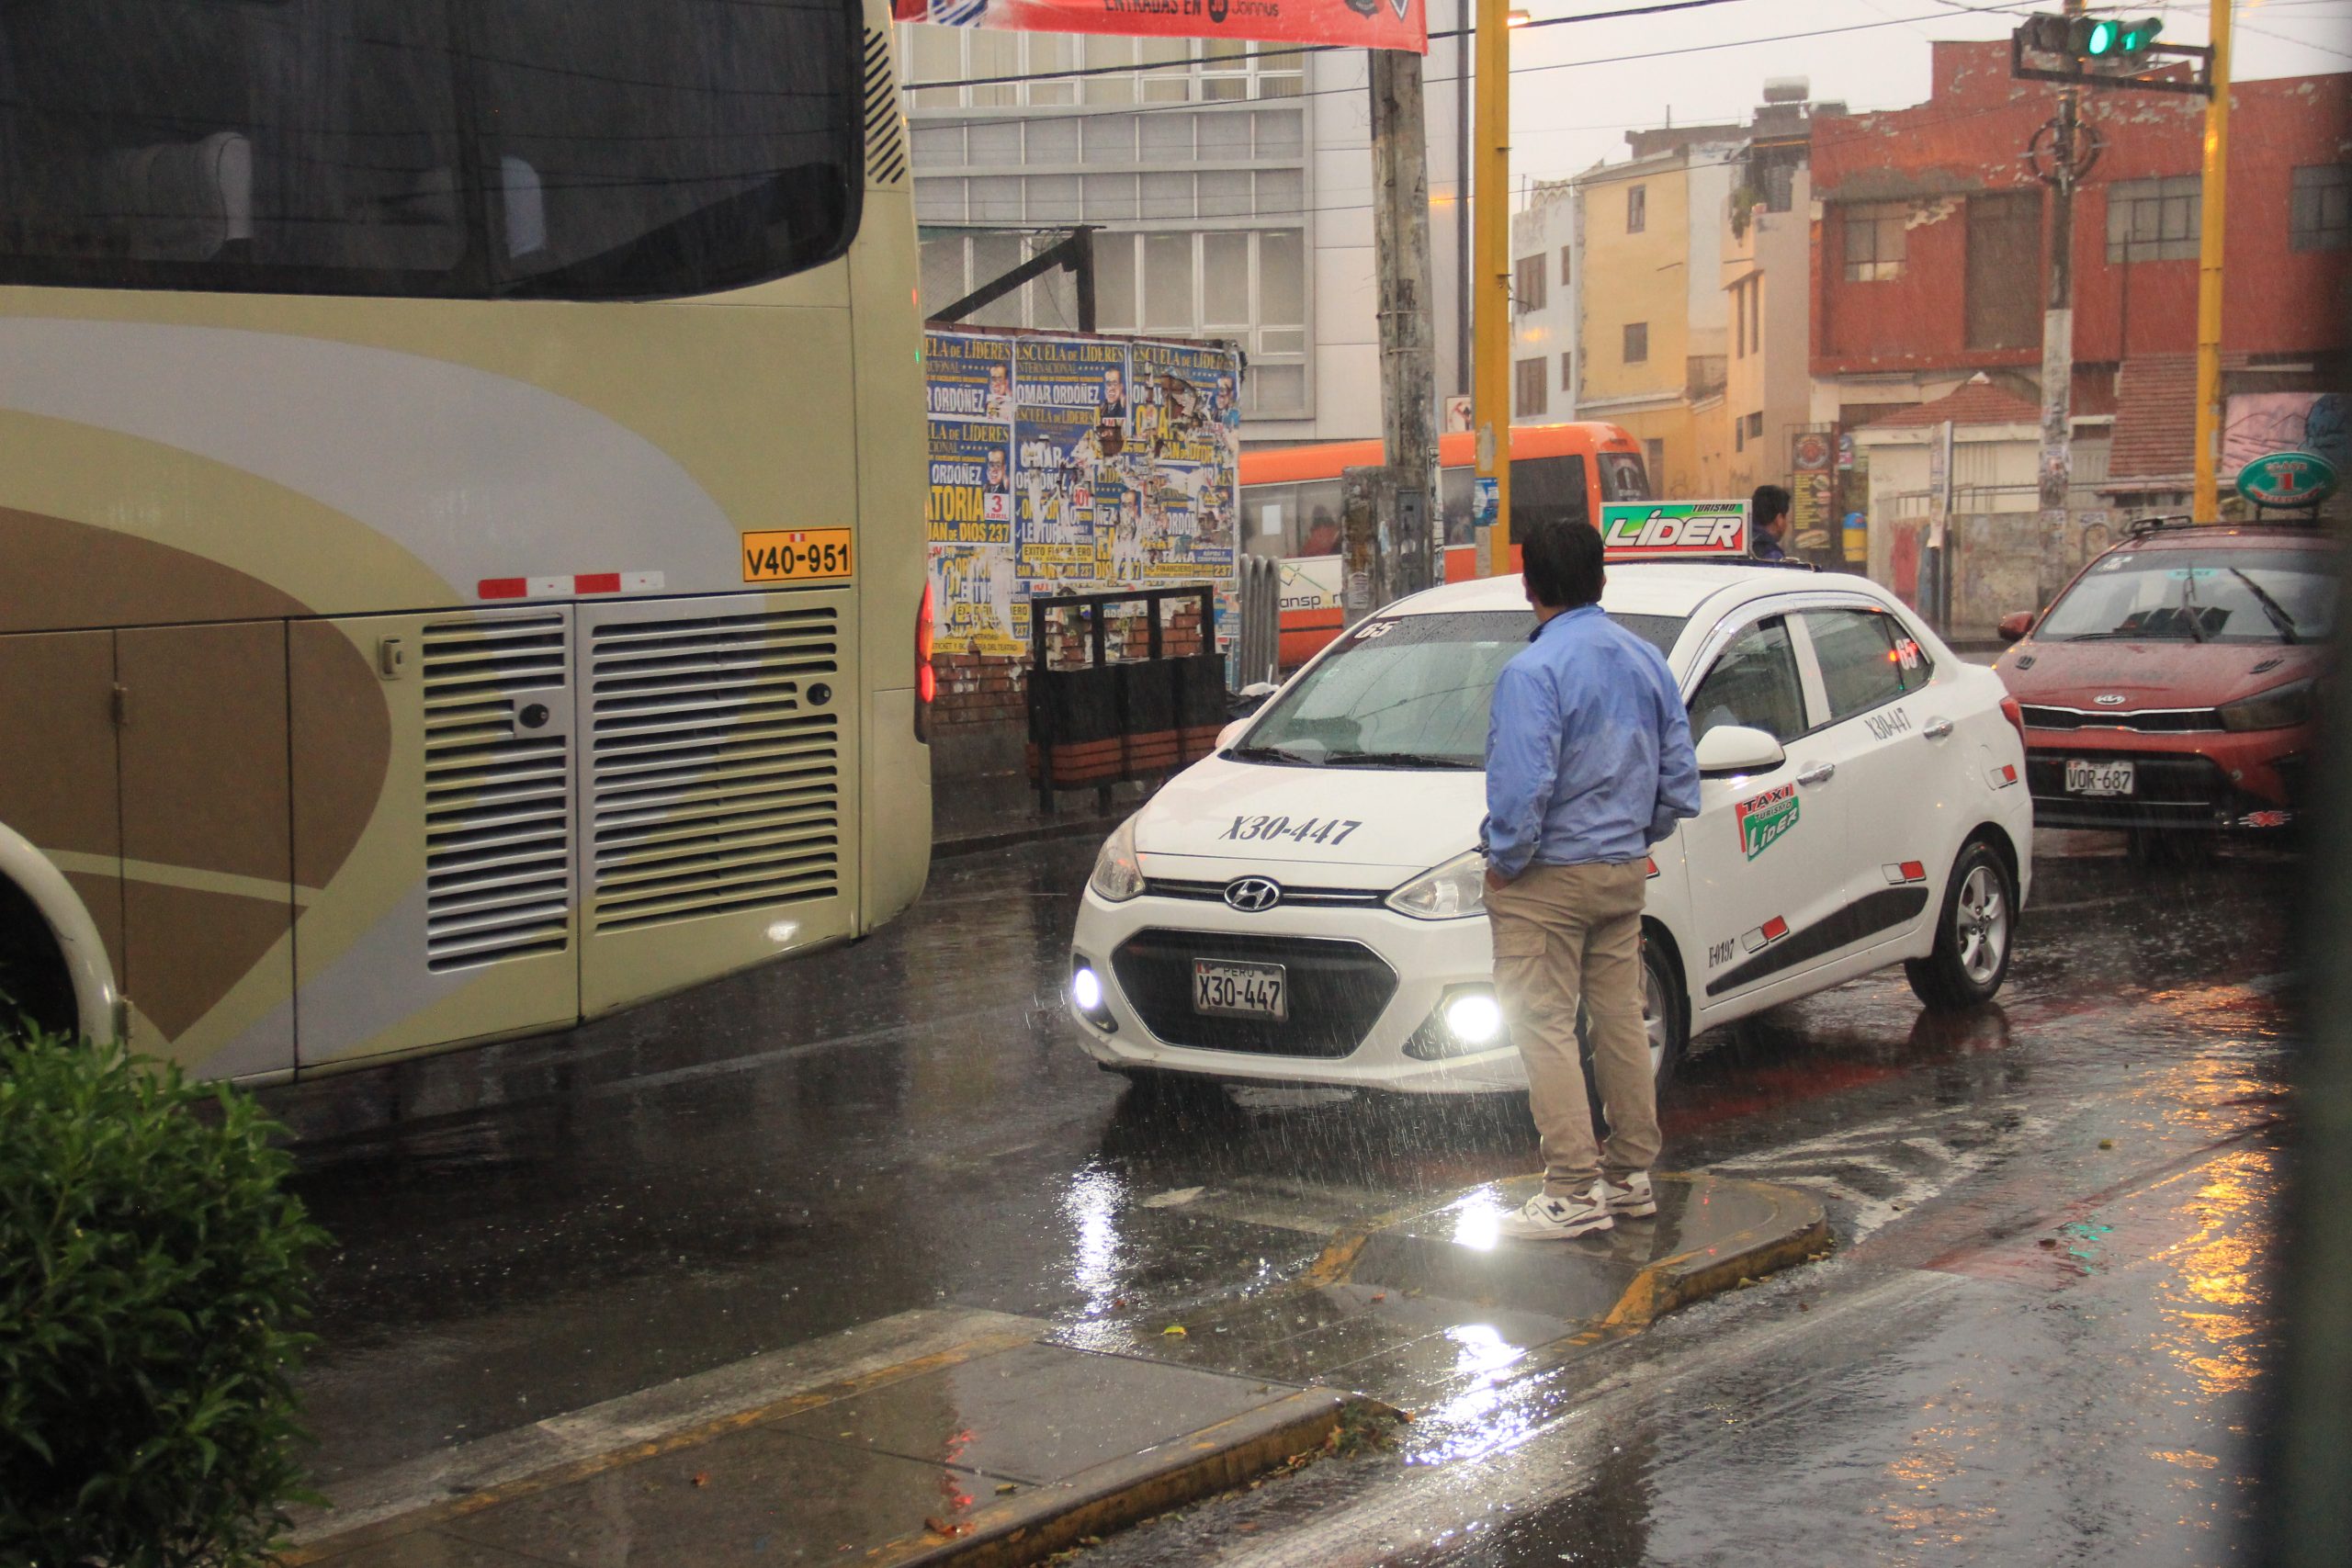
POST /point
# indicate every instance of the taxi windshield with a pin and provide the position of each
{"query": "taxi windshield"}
(2203, 595)
(1407, 692)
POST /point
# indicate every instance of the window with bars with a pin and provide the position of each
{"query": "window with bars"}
(1165, 70)
(2153, 219)
(1527, 287)
(1637, 209)
(1637, 343)
(1875, 234)
(2319, 214)
(1532, 390)
(1244, 286)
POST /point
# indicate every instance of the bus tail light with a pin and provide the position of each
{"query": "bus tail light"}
(926, 678)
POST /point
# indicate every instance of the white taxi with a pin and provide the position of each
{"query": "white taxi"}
(1303, 906)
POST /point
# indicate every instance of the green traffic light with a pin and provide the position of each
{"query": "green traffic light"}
(2102, 39)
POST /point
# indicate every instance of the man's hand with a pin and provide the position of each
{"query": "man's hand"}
(1496, 880)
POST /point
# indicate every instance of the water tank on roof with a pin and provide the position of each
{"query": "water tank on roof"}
(1787, 89)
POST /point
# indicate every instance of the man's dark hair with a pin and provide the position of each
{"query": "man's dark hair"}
(1562, 564)
(1770, 501)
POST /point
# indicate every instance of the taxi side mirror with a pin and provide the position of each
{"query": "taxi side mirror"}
(1737, 749)
(2015, 626)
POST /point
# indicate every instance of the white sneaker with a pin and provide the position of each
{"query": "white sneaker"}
(1635, 1200)
(1546, 1218)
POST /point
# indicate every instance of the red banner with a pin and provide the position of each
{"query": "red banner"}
(1354, 24)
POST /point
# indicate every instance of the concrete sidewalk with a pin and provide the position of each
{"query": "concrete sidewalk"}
(968, 1437)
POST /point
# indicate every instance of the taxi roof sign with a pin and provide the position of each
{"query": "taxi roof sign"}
(1674, 530)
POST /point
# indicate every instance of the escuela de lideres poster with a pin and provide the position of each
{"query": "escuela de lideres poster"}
(1073, 465)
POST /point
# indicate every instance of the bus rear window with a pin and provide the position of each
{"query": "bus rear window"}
(581, 149)
(1622, 478)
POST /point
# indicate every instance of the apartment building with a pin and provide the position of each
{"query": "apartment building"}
(1233, 184)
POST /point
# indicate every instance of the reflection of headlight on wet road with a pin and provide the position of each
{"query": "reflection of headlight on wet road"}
(1474, 1017)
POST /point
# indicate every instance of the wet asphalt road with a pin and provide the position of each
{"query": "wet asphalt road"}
(532, 1228)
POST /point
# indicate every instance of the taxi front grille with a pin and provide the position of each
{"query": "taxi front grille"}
(1338, 991)
(1213, 893)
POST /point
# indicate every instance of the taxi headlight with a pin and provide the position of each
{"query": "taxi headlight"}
(1116, 876)
(1447, 892)
(1466, 1019)
(2281, 707)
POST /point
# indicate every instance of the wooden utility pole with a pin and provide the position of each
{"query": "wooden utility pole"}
(2056, 469)
(2206, 503)
(1490, 270)
(1400, 248)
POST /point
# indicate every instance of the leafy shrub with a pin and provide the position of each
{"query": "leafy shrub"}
(152, 1274)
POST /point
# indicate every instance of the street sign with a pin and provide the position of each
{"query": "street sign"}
(1674, 530)
(2288, 478)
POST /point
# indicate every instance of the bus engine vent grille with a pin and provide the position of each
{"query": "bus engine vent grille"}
(497, 790)
(714, 785)
(886, 145)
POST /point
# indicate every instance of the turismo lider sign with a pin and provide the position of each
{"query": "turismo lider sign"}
(1355, 24)
(1674, 530)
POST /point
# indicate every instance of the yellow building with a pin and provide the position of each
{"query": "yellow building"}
(1650, 301)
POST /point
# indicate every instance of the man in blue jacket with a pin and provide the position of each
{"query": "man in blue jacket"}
(1589, 763)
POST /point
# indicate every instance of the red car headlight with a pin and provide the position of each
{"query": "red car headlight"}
(2281, 707)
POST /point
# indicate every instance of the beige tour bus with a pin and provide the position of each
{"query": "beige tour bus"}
(462, 512)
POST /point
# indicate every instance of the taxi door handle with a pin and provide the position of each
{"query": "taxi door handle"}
(1938, 729)
(1819, 774)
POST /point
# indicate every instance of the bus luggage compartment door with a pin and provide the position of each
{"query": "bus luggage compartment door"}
(717, 788)
(433, 815)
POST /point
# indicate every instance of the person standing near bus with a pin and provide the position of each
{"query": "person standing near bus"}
(1769, 519)
(1589, 763)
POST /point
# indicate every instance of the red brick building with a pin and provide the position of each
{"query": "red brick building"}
(1928, 256)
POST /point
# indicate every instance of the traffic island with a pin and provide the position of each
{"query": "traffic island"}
(1431, 1309)
(977, 1439)
(976, 1445)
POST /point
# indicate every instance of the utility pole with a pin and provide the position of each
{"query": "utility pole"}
(2057, 465)
(1490, 267)
(2206, 503)
(1400, 249)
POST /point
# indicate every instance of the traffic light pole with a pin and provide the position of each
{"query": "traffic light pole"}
(2205, 501)
(2056, 469)
(1490, 271)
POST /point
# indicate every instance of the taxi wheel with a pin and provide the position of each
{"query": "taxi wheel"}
(1973, 938)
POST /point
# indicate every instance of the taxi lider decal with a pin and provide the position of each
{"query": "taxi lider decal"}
(1764, 818)
(1674, 530)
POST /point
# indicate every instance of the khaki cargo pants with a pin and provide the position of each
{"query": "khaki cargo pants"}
(1561, 933)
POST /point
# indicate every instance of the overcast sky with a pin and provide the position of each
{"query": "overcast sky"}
(1573, 114)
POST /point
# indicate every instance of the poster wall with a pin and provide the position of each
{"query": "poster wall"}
(1065, 464)
(1355, 24)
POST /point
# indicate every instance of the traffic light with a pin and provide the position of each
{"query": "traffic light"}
(2111, 39)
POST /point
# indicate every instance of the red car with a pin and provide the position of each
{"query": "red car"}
(2173, 686)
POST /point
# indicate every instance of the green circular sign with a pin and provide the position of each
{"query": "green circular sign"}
(2288, 478)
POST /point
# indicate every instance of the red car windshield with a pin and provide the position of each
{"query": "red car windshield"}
(2202, 596)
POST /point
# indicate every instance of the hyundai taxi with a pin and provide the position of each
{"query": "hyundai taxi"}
(1305, 905)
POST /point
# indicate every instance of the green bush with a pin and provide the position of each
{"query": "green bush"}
(152, 1274)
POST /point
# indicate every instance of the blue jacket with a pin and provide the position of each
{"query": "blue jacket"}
(1588, 748)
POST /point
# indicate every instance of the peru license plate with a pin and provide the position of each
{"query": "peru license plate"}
(1240, 991)
(2084, 777)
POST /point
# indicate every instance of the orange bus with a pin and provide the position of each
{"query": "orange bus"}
(1290, 507)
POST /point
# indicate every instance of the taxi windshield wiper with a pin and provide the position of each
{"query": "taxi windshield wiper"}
(1273, 754)
(1396, 760)
(2270, 607)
